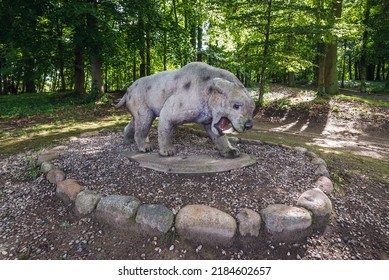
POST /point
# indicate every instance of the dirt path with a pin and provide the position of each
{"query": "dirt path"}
(335, 123)
(342, 141)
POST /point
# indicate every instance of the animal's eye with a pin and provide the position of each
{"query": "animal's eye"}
(236, 106)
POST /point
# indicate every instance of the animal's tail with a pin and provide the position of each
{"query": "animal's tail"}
(122, 101)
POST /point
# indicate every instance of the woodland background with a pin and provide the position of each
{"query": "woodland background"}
(96, 46)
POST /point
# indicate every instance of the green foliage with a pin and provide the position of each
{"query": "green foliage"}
(31, 171)
(363, 99)
(94, 95)
(258, 40)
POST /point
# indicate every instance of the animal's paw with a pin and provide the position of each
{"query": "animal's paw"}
(230, 153)
(146, 148)
(167, 151)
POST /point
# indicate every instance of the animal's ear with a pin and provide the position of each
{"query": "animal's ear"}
(222, 86)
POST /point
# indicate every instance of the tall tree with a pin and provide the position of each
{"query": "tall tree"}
(331, 72)
(365, 36)
(95, 47)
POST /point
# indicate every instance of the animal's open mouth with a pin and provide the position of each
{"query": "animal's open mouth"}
(224, 126)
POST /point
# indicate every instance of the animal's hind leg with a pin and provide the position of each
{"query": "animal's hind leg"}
(129, 133)
(143, 124)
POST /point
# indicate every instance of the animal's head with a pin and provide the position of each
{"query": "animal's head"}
(230, 103)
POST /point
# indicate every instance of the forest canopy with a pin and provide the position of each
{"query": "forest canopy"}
(104, 45)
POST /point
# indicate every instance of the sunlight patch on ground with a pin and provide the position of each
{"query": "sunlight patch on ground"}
(356, 147)
(290, 127)
(285, 127)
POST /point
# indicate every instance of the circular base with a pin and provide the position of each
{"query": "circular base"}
(189, 164)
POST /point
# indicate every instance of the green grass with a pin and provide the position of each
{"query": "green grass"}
(33, 121)
(365, 100)
(30, 104)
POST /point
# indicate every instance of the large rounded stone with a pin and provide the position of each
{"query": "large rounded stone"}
(322, 170)
(47, 156)
(249, 222)
(154, 218)
(67, 190)
(55, 176)
(325, 184)
(301, 150)
(286, 223)
(118, 211)
(318, 161)
(86, 202)
(318, 203)
(206, 224)
(47, 166)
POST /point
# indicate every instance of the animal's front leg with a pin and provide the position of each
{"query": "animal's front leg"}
(222, 144)
(165, 135)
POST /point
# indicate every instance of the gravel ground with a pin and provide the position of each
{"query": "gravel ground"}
(34, 224)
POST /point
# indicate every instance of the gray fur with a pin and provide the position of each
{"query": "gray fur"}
(196, 93)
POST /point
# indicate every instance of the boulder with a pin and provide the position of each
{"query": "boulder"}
(318, 203)
(249, 222)
(86, 202)
(118, 211)
(67, 190)
(318, 161)
(301, 150)
(155, 219)
(58, 149)
(206, 224)
(47, 156)
(325, 184)
(89, 134)
(46, 166)
(286, 223)
(55, 176)
(321, 170)
(311, 155)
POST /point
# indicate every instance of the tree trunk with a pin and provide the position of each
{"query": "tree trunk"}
(262, 77)
(199, 43)
(148, 51)
(331, 71)
(321, 67)
(175, 11)
(291, 79)
(378, 73)
(142, 66)
(96, 53)
(357, 72)
(1, 83)
(97, 73)
(193, 35)
(365, 38)
(106, 79)
(165, 50)
(370, 72)
(350, 70)
(134, 66)
(344, 63)
(60, 54)
(29, 76)
(62, 75)
(79, 73)
(383, 70)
